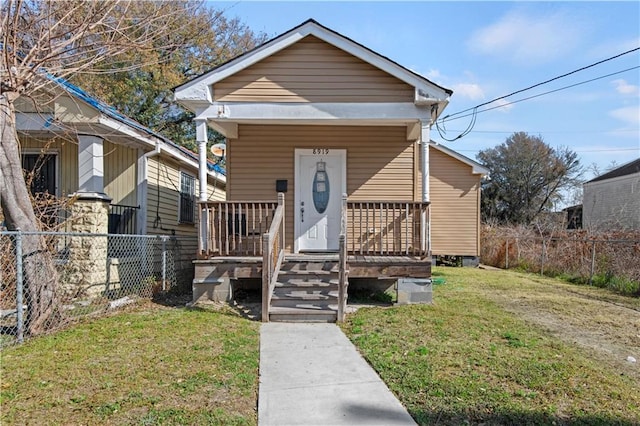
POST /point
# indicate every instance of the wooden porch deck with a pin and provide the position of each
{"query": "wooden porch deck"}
(359, 266)
(239, 240)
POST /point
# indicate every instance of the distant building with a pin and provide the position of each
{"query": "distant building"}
(574, 216)
(612, 200)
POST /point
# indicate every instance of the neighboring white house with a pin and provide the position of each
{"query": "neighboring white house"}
(612, 200)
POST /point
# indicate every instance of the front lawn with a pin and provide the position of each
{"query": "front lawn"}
(500, 347)
(153, 365)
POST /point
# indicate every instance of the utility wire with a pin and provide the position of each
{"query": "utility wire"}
(475, 109)
(576, 150)
(548, 131)
(544, 82)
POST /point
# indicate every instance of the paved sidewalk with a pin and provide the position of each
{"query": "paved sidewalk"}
(311, 374)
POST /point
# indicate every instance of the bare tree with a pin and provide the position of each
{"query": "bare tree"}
(41, 41)
(526, 177)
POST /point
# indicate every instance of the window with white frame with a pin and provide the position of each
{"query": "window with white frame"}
(187, 205)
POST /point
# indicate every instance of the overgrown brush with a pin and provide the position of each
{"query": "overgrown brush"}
(53, 215)
(609, 259)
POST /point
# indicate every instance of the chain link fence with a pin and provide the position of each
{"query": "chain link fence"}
(50, 279)
(605, 260)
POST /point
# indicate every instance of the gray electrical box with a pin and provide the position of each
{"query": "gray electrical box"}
(414, 290)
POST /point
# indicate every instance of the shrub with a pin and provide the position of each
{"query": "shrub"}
(607, 259)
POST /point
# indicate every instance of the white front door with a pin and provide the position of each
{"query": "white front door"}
(319, 185)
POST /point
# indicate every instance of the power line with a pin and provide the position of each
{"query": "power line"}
(575, 150)
(475, 112)
(549, 131)
(543, 83)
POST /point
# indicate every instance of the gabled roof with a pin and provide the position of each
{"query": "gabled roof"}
(476, 167)
(625, 169)
(111, 112)
(194, 90)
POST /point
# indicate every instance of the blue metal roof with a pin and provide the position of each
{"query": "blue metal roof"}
(116, 115)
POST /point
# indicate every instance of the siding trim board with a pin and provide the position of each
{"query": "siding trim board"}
(393, 112)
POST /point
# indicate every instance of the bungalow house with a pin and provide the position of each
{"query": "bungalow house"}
(330, 174)
(122, 177)
(611, 201)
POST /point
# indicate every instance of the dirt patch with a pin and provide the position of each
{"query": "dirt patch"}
(607, 325)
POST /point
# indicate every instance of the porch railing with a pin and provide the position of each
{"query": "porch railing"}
(272, 256)
(234, 228)
(399, 228)
(343, 273)
(373, 228)
(122, 219)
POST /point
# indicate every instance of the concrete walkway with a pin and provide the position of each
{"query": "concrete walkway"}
(311, 374)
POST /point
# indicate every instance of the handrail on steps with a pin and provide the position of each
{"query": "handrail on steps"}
(272, 256)
(343, 281)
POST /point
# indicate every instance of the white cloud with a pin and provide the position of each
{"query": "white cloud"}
(433, 74)
(468, 90)
(525, 39)
(625, 88)
(613, 47)
(629, 115)
(501, 105)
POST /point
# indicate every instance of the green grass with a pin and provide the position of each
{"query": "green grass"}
(146, 367)
(467, 360)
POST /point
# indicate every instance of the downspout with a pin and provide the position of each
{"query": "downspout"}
(143, 176)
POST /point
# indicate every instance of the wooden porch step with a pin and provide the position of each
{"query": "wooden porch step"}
(307, 282)
(293, 293)
(304, 314)
(309, 267)
(306, 290)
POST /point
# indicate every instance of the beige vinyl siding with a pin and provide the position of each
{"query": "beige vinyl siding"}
(455, 206)
(215, 190)
(379, 162)
(312, 70)
(67, 164)
(163, 195)
(120, 175)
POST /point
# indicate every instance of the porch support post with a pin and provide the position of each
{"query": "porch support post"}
(201, 138)
(424, 158)
(91, 166)
(425, 238)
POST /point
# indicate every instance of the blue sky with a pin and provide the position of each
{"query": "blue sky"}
(484, 50)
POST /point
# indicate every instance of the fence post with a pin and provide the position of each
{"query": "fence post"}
(164, 262)
(506, 258)
(544, 246)
(593, 262)
(19, 288)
